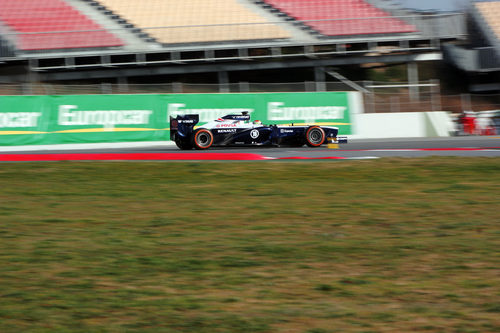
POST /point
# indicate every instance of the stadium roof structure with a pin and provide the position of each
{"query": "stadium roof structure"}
(94, 39)
(480, 54)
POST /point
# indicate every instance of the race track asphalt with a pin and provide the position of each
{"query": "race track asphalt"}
(465, 146)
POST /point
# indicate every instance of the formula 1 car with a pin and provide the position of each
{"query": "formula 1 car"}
(238, 130)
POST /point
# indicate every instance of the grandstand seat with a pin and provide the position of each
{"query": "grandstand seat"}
(52, 24)
(196, 21)
(341, 17)
(490, 11)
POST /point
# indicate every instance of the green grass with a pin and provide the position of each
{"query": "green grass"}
(390, 245)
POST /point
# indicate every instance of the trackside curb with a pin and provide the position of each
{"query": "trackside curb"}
(132, 157)
(159, 157)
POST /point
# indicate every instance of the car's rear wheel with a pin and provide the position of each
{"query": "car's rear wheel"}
(183, 144)
(202, 139)
(315, 136)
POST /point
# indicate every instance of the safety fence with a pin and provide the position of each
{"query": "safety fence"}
(379, 96)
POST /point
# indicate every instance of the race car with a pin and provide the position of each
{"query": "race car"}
(238, 130)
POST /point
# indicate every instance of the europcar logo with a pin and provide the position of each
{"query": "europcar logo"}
(70, 116)
(19, 119)
(278, 111)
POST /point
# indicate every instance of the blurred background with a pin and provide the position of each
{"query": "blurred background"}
(403, 55)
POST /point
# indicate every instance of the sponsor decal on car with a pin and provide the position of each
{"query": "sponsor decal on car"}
(226, 125)
(254, 134)
(206, 114)
(231, 130)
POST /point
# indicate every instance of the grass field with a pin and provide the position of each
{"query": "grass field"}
(390, 245)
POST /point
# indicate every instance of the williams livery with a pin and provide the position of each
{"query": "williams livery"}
(238, 130)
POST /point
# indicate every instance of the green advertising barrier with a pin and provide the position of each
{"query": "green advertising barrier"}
(42, 120)
(23, 120)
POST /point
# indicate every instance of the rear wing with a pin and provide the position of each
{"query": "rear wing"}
(243, 117)
(183, 125)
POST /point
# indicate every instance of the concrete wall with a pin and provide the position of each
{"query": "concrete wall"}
(402, 125)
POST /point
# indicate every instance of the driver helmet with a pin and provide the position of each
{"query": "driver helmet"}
(257, 122)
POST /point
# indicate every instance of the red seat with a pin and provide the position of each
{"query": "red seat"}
(342, 17)
(53, 24)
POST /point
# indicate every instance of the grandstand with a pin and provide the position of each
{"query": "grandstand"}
(340, 18)
(488, 16)
(87, 40)
(215, 21)
(52, 24)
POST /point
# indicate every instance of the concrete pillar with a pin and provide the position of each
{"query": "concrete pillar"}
(177, 87)
(319, 78)
(244, 87)
(106, 88)
(122, 82)
(32, 79)
(413, 80)
(369, 97)
(436, 95)
(466, 102)
(310, 86)
(223, 82)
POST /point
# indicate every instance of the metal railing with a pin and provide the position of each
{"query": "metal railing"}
(382, 96)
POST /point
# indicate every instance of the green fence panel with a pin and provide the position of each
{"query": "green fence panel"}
(24, 120)
(106, 118)
(29, 120)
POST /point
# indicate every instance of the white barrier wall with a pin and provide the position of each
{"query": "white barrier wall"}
(402, 125)
(440, 124)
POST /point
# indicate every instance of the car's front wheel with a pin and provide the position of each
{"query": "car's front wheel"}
(315, 136)
(202, 139)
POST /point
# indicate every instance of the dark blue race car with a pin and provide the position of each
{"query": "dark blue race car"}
(238, 130)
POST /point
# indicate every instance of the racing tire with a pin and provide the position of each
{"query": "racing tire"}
(315, 136)
(183, 144)
(202, 139)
